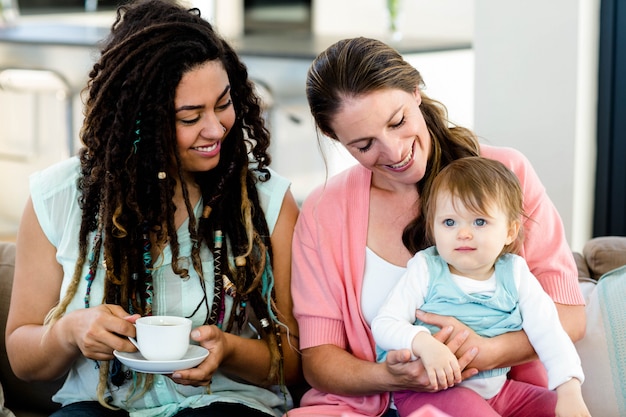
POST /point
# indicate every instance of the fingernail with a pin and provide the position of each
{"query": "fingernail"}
(176, 375)
(195, 334)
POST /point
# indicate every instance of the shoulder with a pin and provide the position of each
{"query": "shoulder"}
(427, 259)
(343, 200)
(511, 157)
(338, 189)
(517, 162)
(59, 176)
(58, 179)
(271, 195)
(55, 196)
(275, 185)
(512, 259)
(514, 264)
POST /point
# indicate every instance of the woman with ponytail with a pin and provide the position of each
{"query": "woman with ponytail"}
(170, 208)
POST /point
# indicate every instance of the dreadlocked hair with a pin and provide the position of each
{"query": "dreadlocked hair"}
(130, 139)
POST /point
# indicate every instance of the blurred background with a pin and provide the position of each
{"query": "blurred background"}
(538, 76)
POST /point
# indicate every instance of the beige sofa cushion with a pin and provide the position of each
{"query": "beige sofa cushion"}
(603, 254)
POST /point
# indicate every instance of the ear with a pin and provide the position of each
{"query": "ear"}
(514, 228)
(417, 95)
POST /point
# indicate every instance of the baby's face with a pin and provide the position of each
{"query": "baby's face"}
(470, 242)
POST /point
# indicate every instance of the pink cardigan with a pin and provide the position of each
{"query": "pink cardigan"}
(329, 259)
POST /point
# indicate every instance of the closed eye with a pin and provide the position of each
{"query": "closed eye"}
(400, 123)
(189, 121)
(366, 147)
(225, 105)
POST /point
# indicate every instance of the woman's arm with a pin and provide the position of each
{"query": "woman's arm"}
(249, 359)
(573, 320)
(282, 238)
(329, 368)
(39, 352)
(508, 349)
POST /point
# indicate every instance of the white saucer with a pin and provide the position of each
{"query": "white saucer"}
(134, 360)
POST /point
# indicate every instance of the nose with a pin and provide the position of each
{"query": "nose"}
(464, 233)
(212, 128)
(391, 147)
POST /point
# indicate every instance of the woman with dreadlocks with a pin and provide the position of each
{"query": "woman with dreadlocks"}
(169, 209)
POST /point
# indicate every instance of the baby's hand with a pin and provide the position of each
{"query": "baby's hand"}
(570, 401)
(440, 363)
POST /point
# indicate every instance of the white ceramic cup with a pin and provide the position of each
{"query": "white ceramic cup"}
(162, 338)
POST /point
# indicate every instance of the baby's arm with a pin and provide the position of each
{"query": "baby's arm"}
(440, 363)
(552, 344)
(569, 401)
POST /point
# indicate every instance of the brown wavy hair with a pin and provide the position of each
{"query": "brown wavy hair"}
(129, 138)
(358, 66)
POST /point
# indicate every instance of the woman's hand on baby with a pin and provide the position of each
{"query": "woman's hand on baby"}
(441, 365)
(411, 374)
(472, 340)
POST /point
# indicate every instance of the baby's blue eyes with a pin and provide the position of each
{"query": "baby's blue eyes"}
(477, 222)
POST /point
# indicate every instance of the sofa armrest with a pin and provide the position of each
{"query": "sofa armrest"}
(603, 254)
(581, 264)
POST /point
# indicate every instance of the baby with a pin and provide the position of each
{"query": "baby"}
(473, 215)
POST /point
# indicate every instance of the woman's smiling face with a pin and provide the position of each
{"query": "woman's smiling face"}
(204, 115)
(385, 131)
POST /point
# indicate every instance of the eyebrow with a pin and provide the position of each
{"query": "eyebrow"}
(195, 107)
(353, 141)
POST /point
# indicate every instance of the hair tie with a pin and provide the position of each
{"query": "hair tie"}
(137, 134)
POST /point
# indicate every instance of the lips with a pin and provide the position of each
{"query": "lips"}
(208, 150)
(400, 166)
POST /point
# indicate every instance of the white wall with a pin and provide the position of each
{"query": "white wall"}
(452, 19)
(449, 78)
(536, 85)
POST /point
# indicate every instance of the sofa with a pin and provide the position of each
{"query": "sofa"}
(599, 256)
